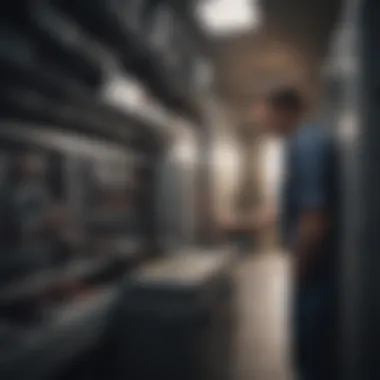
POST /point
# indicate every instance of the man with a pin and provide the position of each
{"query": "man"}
(310, 222)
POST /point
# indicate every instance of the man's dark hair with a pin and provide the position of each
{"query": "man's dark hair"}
(288, 99)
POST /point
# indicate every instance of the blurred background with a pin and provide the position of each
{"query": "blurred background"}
(130, 142)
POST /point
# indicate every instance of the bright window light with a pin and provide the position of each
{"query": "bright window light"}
(229, 16)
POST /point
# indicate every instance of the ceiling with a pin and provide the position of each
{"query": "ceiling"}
(290, 45)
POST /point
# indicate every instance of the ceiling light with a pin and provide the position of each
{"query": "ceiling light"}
(228, 16)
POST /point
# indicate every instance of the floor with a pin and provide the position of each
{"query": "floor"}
(263, 335)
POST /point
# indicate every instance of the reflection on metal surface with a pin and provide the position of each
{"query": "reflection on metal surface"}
(187, 267)
(128, 95)
(348, 126)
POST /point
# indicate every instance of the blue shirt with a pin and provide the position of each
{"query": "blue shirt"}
(311, 184)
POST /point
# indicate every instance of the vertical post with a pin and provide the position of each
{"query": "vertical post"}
(210, 112)
(361, 259)
(206, 147)
(205, 185)
(148, 179)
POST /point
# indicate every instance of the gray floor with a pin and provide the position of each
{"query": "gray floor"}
(262, 344)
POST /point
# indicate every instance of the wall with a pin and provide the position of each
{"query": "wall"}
(226, 166)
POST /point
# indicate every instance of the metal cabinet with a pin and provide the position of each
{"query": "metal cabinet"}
(175, 320)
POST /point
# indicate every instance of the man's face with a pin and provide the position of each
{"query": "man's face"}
(283, 122)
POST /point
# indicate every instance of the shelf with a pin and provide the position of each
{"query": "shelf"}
(78, 42)
(86, 114)
(139, 59)
(80, 270)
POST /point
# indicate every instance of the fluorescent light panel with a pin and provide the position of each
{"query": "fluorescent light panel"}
(229, 16)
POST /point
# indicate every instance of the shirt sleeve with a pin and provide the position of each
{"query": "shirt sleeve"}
(312, 185)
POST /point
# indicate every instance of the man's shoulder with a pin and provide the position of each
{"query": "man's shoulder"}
(314, 133)
(313, 138)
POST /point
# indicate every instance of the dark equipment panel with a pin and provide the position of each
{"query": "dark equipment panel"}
(175, 323)
(72, 225)
(78, 173)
